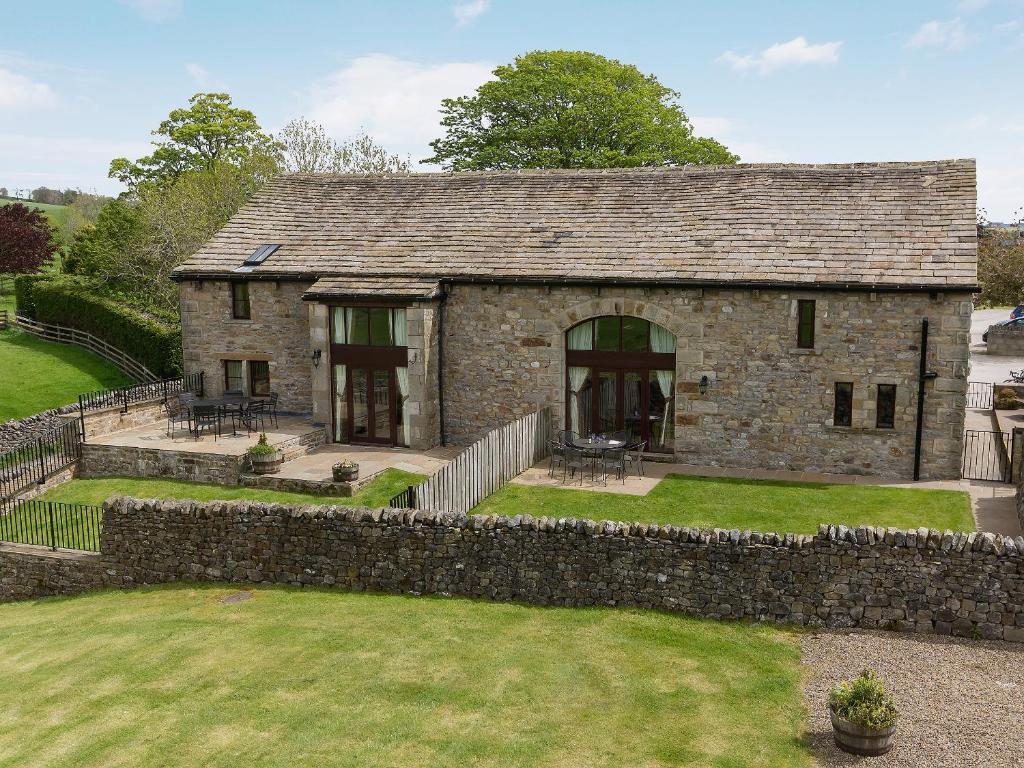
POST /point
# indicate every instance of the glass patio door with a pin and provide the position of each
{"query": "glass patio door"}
(371, 393)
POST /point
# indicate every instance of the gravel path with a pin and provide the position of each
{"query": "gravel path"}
(961, 701)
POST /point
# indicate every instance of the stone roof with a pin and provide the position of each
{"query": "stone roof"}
(382, 287)
(884, 224)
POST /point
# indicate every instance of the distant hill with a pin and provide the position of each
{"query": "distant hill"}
(55, 213)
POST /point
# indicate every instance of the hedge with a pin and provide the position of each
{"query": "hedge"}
(77, 303)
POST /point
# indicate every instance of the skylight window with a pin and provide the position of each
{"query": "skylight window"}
(260, 255)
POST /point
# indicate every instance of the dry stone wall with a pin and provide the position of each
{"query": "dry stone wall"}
(966, 584)
(127, 461)
(1006, 340)
(29, 572)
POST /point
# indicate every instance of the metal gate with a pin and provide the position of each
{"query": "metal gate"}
(987, 456)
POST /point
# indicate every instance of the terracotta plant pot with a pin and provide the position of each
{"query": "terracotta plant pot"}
(858, 740)
(345, 474)
(265, 465)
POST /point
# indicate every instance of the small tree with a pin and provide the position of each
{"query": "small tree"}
(570, 109)
(1001, 262)
(26, 239)
(307, 148)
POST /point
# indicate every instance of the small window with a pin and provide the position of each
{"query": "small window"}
(381, 334)
(635, 333)
(843, 414)
(232, 375)
(805, 324)
(606, 334)
(259, 378)
(885, 406)
(240, 301)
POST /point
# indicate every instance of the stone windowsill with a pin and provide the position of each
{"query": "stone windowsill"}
(802, 351)
(862, 430)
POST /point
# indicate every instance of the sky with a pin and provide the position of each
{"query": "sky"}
(84, 81)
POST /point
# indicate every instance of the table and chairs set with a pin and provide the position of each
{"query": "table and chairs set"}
(603, 455)
(211, 414)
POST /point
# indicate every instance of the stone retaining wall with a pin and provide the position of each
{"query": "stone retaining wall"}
(121, 461)
(1006, 340)
(29, 572)
(912, 581)
(17, 432)
(109, 420)
(312, 487)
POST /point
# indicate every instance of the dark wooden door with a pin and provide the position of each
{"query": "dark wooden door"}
(371, 393)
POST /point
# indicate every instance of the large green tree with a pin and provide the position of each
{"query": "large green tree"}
(209, 131)
(570, 109)
(1001, 262)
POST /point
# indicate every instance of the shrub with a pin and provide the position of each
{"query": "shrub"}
(77, 303)
(864, 702)
(1005, 400)
(262, 447)
(24, 285)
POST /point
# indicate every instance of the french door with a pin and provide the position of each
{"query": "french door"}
(634, 400)
(371, 400)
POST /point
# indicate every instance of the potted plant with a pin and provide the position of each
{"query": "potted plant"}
(263, 457)
(863, 715)
(345, 471)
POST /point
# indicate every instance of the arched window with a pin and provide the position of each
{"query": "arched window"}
(620, 377)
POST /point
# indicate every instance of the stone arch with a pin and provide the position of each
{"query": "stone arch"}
(599, 306)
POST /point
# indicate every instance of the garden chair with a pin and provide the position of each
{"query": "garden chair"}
(634, 454)
(567, 437)
(255, 416)
(622, 436)
(206, 417)
(272, 407)
(557, 457)
(575, 459)
(176, 414)
(613, 460)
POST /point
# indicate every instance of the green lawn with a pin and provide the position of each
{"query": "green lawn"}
(176, 676)
(760, 505)
(38, 375)
(55, 213)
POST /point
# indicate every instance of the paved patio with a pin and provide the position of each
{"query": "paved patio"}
(290, 429)
(372, 460)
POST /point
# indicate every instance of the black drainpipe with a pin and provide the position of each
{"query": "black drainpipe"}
(440, 361)
(923, 375)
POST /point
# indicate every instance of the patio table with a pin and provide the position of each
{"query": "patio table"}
(225, 405)
(596, 447)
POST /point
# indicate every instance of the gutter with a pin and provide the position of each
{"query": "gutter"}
(630, 282)
(440, 362)
(923, 375)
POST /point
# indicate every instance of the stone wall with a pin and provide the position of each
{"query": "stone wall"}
(1006, 340)
(127, 461)
(28, 572)
(769, 405)
(278, 332)
(912, 581)
(17, 432)
(108, 420)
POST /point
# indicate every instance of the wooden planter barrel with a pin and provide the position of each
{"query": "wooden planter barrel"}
(345, 474)
(858, 740)
(266, 465)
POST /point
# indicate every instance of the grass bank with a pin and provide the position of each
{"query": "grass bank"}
(187, 675)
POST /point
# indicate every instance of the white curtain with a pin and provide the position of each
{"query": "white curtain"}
(577, 378)
(582, 336)
(665, 385)
(349, 314)
(340, 379)
(338, 331)
(402, 377)
(401, 330)
(662, 340)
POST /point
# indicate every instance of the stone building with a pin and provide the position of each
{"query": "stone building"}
(748, 316)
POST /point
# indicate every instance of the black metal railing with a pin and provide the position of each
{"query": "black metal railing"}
(37, 460)
(987, 456)
(979, 395)
(404, 500)
(51, 524)
(138, 393)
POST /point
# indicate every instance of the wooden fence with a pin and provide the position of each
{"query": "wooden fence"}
(483, 467)
(64, 335)
(4, 320)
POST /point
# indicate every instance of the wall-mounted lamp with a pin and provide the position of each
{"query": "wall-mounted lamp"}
(703, 384)
(316, 358)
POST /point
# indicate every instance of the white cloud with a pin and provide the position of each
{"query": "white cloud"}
(971, 6)
(731, 133)
(795, 52)
(396, 101)
(20, 92)
(467, 11)
(156, 10)
(951, 35)
(1008, 26)
(203, 79)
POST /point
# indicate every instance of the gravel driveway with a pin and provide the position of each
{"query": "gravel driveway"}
(961, 701)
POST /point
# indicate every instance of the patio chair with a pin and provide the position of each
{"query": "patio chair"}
(557, 456)
(613, 460)
(567, 437)
(621, 435)
(176, 414)
(575, 459)
(634, 454)
(255, 416)
(205, 418)
(272, 407)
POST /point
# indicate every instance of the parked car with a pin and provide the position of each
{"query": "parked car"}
(1017, 321)
(1017, 312)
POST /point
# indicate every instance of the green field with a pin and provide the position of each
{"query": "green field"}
(760, 505)
(377, 492)
(210, 675)
(38, 375)
(55, 213)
